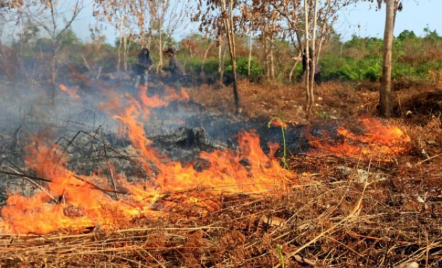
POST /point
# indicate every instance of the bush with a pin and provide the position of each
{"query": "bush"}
(255, 68)
(193, 67)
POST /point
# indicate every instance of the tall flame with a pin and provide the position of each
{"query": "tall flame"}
(73, 202)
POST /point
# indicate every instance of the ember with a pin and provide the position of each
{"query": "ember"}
(71, 92)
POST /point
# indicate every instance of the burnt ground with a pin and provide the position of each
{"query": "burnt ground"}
(346, 211)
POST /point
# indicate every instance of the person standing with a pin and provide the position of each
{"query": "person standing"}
(317, 76)
(143, 66)
(175, 68)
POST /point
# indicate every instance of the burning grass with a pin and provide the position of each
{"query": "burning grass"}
(344, 207)
(344, 222)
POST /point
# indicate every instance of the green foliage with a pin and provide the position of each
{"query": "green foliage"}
(360, 59)
(323, 115)
(407, 35)
(68, 38)
(357, 59)
(255, 68)
(194, 66)
(352, 70)
(432, 35)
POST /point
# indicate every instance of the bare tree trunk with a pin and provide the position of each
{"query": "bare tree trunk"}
(294, 68)
(125, 50)
(223, 64)
(129, 43)
(385, 90)
(53, 72)
(120, 30)
(119, 53)
(249, 65)
(323, 30)
(203, 74)
(267, 61)
(220, 48)
(22, 65)
(149, 40)
(272, 60)
(160, 48)
(396, 6)
(54, 51)
(229, 24)
(307, 52)
(313, 57)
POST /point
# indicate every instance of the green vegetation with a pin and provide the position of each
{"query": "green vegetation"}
(358, 59)
(361, 58)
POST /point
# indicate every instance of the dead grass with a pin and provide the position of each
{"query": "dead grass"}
(334, 218)
(346, 212)
(333, 100)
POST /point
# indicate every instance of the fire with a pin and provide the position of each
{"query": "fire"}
(378, 141)
(73, 202)
(277, 122)
(184, 94)
(153, 102)
(73, 93)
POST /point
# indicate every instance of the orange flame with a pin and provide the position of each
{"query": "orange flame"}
(70, 202)
(378, 142)
(184, 94)
(73, 93)
(276, 122)
(73, 202)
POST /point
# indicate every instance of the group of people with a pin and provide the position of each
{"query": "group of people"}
(145, 62)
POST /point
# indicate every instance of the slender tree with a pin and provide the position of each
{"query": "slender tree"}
(392, 6)
(51, 17)
(123, 15)
(309, 23)
(220, 15)
(385, 90)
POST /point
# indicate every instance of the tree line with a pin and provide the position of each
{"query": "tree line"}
(248, 37)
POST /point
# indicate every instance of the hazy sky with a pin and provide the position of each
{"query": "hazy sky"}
(416, 15)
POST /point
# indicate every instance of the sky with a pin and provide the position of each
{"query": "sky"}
(415, 16)
(359, 19)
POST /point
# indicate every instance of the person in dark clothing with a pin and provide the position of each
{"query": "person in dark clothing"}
(304, 59)
(175, 69)
(143, 66)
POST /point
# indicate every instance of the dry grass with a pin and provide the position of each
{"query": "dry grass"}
(346, 212)
(287, 101)
(334, 219)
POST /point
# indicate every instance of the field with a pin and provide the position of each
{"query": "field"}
(223, 155)
(356, 199)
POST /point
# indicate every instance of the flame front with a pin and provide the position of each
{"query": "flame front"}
(73, 202)
(377, 142)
